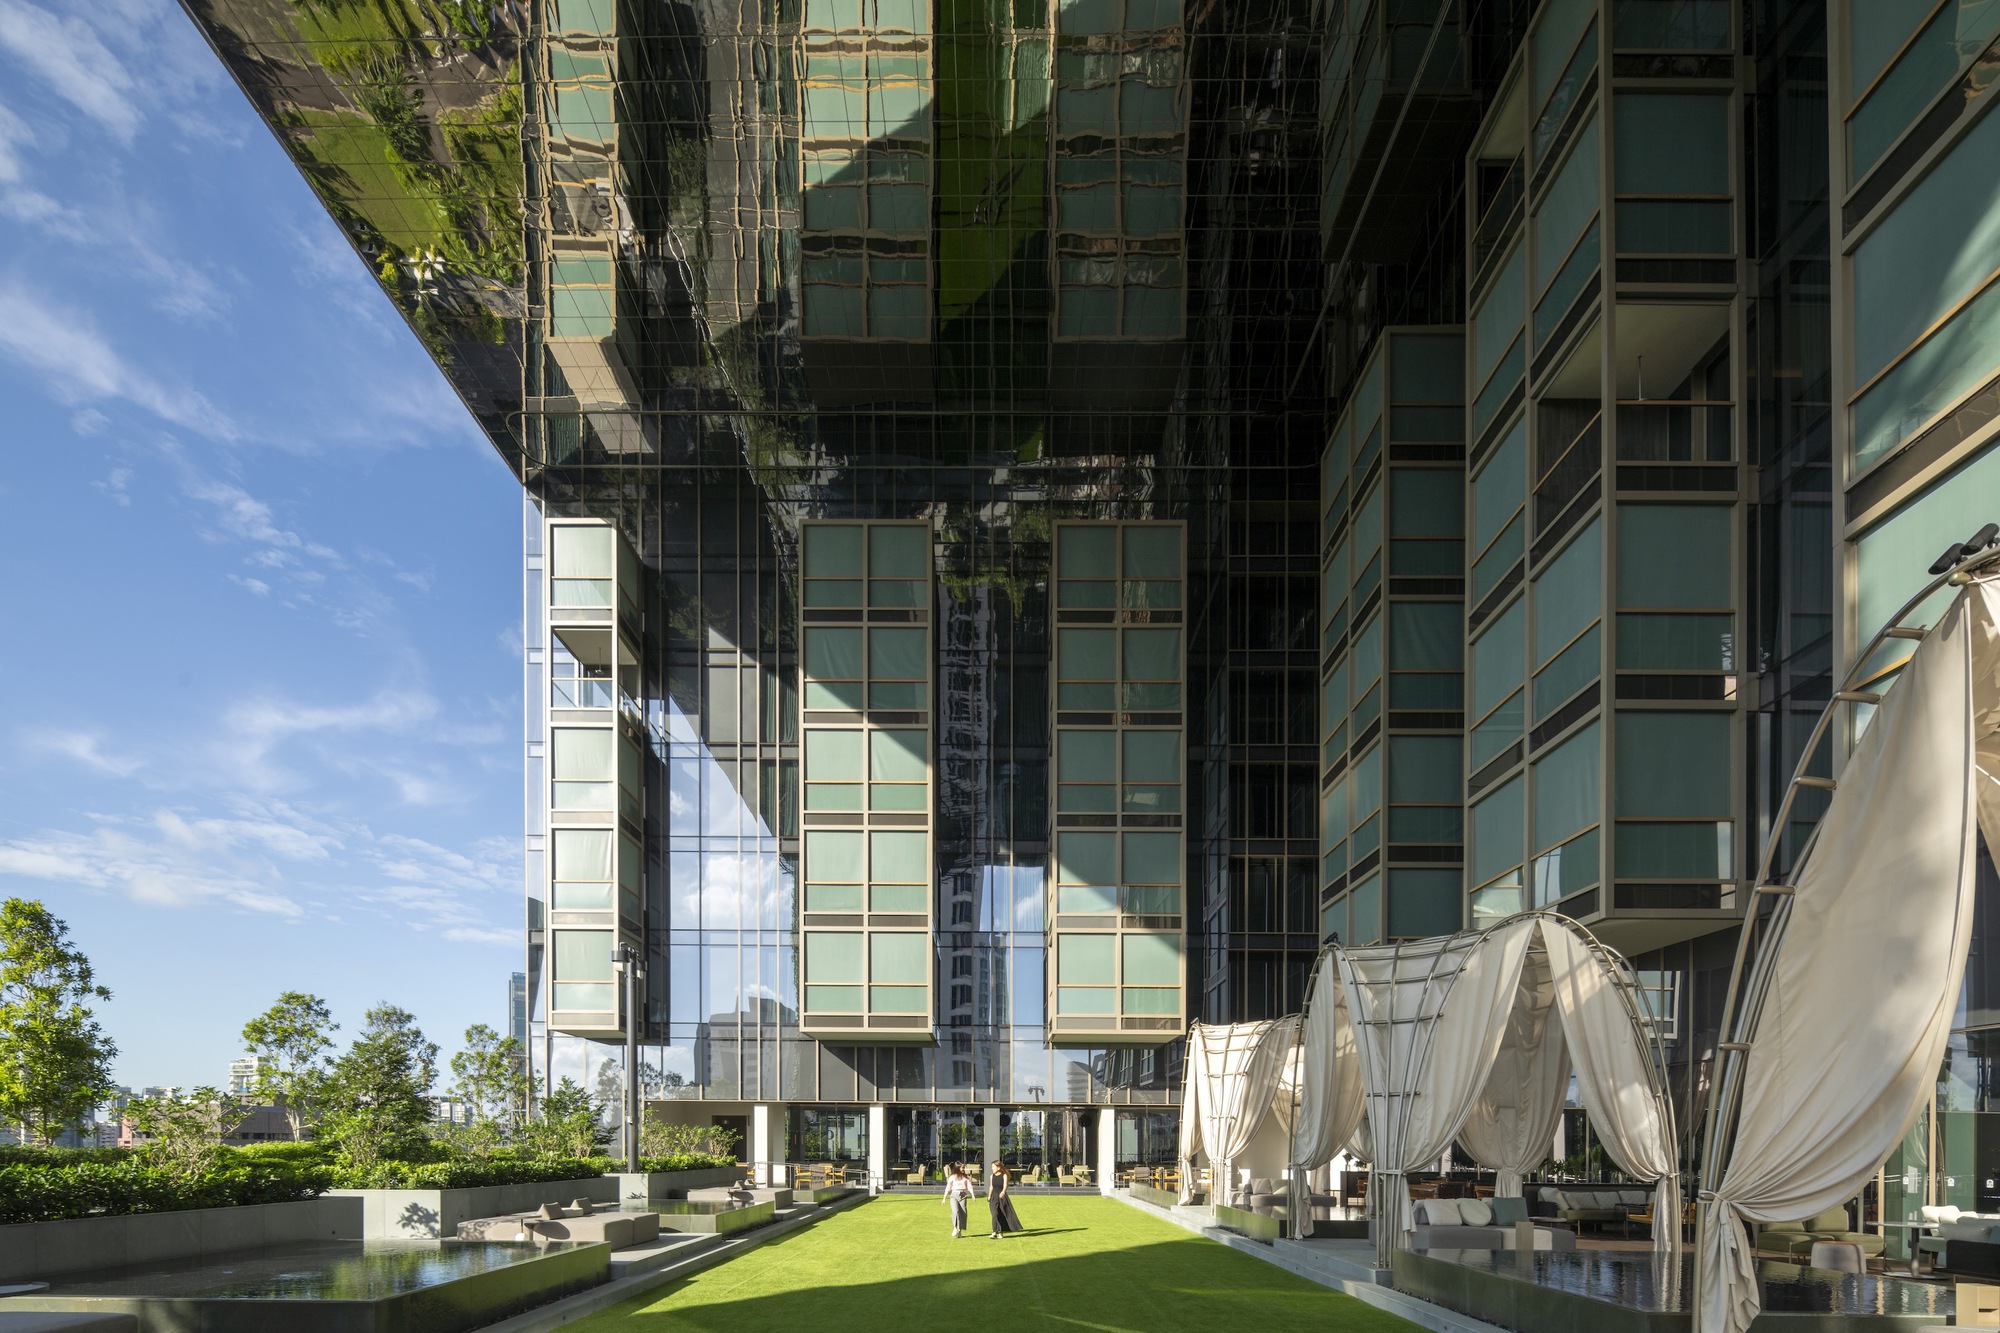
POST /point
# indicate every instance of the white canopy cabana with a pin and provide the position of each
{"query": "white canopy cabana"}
(1232, 1086)
(1837, 1026)
(1473, 1037)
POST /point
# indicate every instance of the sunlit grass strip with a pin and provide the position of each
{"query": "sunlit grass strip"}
(891, 1266)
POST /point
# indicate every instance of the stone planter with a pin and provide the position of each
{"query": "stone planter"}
(434, 1214)
(40, 1251)
(647, 1185)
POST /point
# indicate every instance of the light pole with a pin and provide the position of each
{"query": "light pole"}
(631, 960)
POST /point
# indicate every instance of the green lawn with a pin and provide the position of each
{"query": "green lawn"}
(891, 1266)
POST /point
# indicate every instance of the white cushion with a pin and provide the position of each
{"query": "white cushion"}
(1440, 1212)
(1550, 1194)
(1633, 1198)
(1607, 1199)
(1475, 1212)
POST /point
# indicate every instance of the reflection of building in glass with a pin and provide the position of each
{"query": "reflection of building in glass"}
(1542, 405)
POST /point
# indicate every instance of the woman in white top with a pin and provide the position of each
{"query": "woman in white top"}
(957, 1197)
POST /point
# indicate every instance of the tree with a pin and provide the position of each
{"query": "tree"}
(377, 1095)
(55, 1061)
(568, 1125)
(183, 1135)
(490, 1076)
(291, 1040)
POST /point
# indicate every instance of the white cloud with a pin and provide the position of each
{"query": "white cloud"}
(81, 367)
(85, 748)
(114, 485)
(255, 728)
(71, 60)
(277, 859)
(258, 586)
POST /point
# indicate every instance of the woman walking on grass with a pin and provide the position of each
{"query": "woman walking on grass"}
(997, 1202)
(957, 1197)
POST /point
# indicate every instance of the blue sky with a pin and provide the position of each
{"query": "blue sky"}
(263, 666)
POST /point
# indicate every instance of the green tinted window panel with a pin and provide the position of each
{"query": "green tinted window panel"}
(1086, 756)
(1086, 899)
(1152, 552)
(1150, 960)
(1086, 858)
(833, 999)
(833, 956)
(898, 755)
(833, 755)
(1152, 654)
(832, 550)
(897, 654)
(900, 856)
(899, 958)
(1151, 857)
(1086, 551)
(1151, 1000)
(1086, 1000)
(1152, 756)
(1086, 960)
(1086, 654)
(834, 855)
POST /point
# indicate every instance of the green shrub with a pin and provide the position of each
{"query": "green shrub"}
(464, 1174)
(88, 1188)
(687, 1161)
(13, 1154)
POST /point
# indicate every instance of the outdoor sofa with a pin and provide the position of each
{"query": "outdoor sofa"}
(1966, 1243)
(1479, 1224)
(577, 1222)
(1795, 1240)
(1604, 1205)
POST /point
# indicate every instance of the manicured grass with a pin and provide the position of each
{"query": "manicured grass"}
(891, 1266)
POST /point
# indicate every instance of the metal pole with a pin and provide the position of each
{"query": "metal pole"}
(629, 960)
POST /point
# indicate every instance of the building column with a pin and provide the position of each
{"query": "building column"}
(1107, 1148)
(878, 1148)
(761, 1127)
(992, 1137)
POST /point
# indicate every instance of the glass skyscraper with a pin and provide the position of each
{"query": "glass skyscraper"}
(1039, 512)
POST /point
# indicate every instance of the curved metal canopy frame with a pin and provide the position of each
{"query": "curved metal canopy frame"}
(1763, 931)
(1646, 1031)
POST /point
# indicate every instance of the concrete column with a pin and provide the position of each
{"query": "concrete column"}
(1107, 1148)
(878, 1148)
(992, 1126)
(760, 1144)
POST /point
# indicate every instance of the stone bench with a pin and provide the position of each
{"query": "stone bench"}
(742, 1194)
(619, 1230)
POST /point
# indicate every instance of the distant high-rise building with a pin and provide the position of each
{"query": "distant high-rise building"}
(243, 1075)
(517, 1007)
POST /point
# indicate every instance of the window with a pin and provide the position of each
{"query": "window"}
(583, 768)
(582, 564)
(1930, 260)
(1119, 172)
(1119, 761)
(1672, 173)
(1658, 993)
(1675, 588)
(1934, 57)
(865, 649)
(582, 869)
(1674, 795)
(1568, 787)
(1570, 203)
(1498, 669)
(864, 169)
(583, 972)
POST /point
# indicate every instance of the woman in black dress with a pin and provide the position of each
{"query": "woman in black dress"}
(997, 1202)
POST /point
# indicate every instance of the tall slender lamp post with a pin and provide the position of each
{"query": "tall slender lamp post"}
(631, 960)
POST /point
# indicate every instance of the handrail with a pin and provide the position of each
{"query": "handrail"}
(1750, 979)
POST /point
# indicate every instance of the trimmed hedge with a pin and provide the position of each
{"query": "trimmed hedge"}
(465, 1174)
(687, 1161)
(126, 1185)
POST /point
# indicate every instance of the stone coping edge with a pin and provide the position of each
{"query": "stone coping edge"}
(572, 1308)
(1387, 1299)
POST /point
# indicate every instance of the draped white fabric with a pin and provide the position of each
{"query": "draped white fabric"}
(1513, 1124)
(1231, 1087)
(1429, 1018)
(1862, 987)
(1616, 1073)
(1327, 1117)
